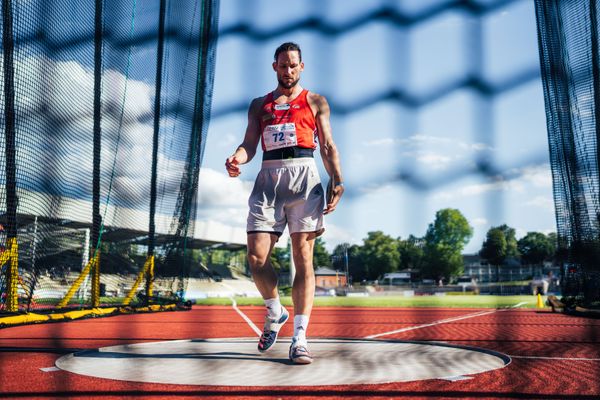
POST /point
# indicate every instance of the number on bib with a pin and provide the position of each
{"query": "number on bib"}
(279, 136)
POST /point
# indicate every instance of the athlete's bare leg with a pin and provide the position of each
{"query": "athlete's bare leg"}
(303, 289)
(260, 245)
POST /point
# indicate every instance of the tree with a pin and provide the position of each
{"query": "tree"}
(321, 257)
(356, 267)
(380, 254)
(494, 248)
(512, 249)
(445, 240)
(411, 252)
(535, 248)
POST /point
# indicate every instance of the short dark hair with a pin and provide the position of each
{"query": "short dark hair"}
(288, 46)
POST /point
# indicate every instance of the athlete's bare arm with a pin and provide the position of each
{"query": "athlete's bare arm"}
(246, 151)
(329, 153)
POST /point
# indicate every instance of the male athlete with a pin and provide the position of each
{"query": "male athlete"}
(288, 122)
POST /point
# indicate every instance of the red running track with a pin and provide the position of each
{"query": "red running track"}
(554, 356)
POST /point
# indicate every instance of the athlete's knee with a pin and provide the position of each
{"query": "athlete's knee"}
(256, 261)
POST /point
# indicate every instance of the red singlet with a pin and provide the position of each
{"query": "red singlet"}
(289, 124)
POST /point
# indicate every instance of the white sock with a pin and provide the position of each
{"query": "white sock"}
(273, 307)
(300, 327)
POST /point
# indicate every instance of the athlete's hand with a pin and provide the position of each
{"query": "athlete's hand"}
(334, 198)
(232, 166)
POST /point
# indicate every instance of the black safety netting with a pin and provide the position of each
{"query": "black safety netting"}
(105, 107)
(570, 61)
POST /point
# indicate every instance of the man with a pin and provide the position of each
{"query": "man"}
(288, 122)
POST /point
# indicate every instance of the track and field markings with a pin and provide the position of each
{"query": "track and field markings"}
(50, 369)
(457, 378)
(556, 358)
(440, 322)
(444, 321)
(245, 317)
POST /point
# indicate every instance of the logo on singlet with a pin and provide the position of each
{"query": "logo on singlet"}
(281, 107)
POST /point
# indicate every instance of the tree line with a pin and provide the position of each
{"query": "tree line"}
(436, 255)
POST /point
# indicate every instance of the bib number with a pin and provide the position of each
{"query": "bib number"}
(279, 136)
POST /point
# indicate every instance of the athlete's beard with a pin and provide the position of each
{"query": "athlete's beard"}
(287, 85)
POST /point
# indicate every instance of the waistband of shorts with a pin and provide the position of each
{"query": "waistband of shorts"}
(287, 153)
(289, 162)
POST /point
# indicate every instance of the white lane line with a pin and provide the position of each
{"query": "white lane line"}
(443, 321)
(556, 358)
(457, 378)
(50, 369)
(245, 317)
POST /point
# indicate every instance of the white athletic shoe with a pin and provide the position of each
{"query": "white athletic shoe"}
(271, 330)
(299, 353)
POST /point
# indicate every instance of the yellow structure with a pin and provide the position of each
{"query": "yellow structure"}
(148, 272)
(11, 256)
(92, 264)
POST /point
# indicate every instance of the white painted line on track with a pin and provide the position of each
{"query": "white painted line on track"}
(556, 358)
(457, 378)
(245, 317)
(50, 369)
(443, 321)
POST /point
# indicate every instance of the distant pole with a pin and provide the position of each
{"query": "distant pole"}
(346, 264)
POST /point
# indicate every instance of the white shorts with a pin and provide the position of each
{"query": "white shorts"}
(287, 192)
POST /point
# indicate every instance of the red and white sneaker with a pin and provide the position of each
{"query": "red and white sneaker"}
(271, 330)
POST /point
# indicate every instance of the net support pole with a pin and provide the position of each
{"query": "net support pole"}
(157, 110)
(596, 76)
(157, 113)
(147, 272)
(96, 217)
(75, 286)
(8, 44)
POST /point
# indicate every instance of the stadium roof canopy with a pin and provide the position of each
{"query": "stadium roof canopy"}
(77, 213)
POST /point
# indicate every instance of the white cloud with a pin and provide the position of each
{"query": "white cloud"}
(61, 138)
(335, 235)
(222, 199)
(433, 152)
(218, 189)
(381, 142)
(480, 221)
(546, 203)
(434, 160)
(477, 189)
(538, 176)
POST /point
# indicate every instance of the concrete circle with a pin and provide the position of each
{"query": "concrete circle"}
(236, 362)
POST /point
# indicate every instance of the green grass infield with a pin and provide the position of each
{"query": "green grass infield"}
(458, 301)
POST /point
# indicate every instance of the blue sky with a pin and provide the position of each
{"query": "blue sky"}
(419, 108)
(403, 157)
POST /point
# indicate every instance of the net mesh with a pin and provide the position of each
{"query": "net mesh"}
(105, 112)
(568, 37)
